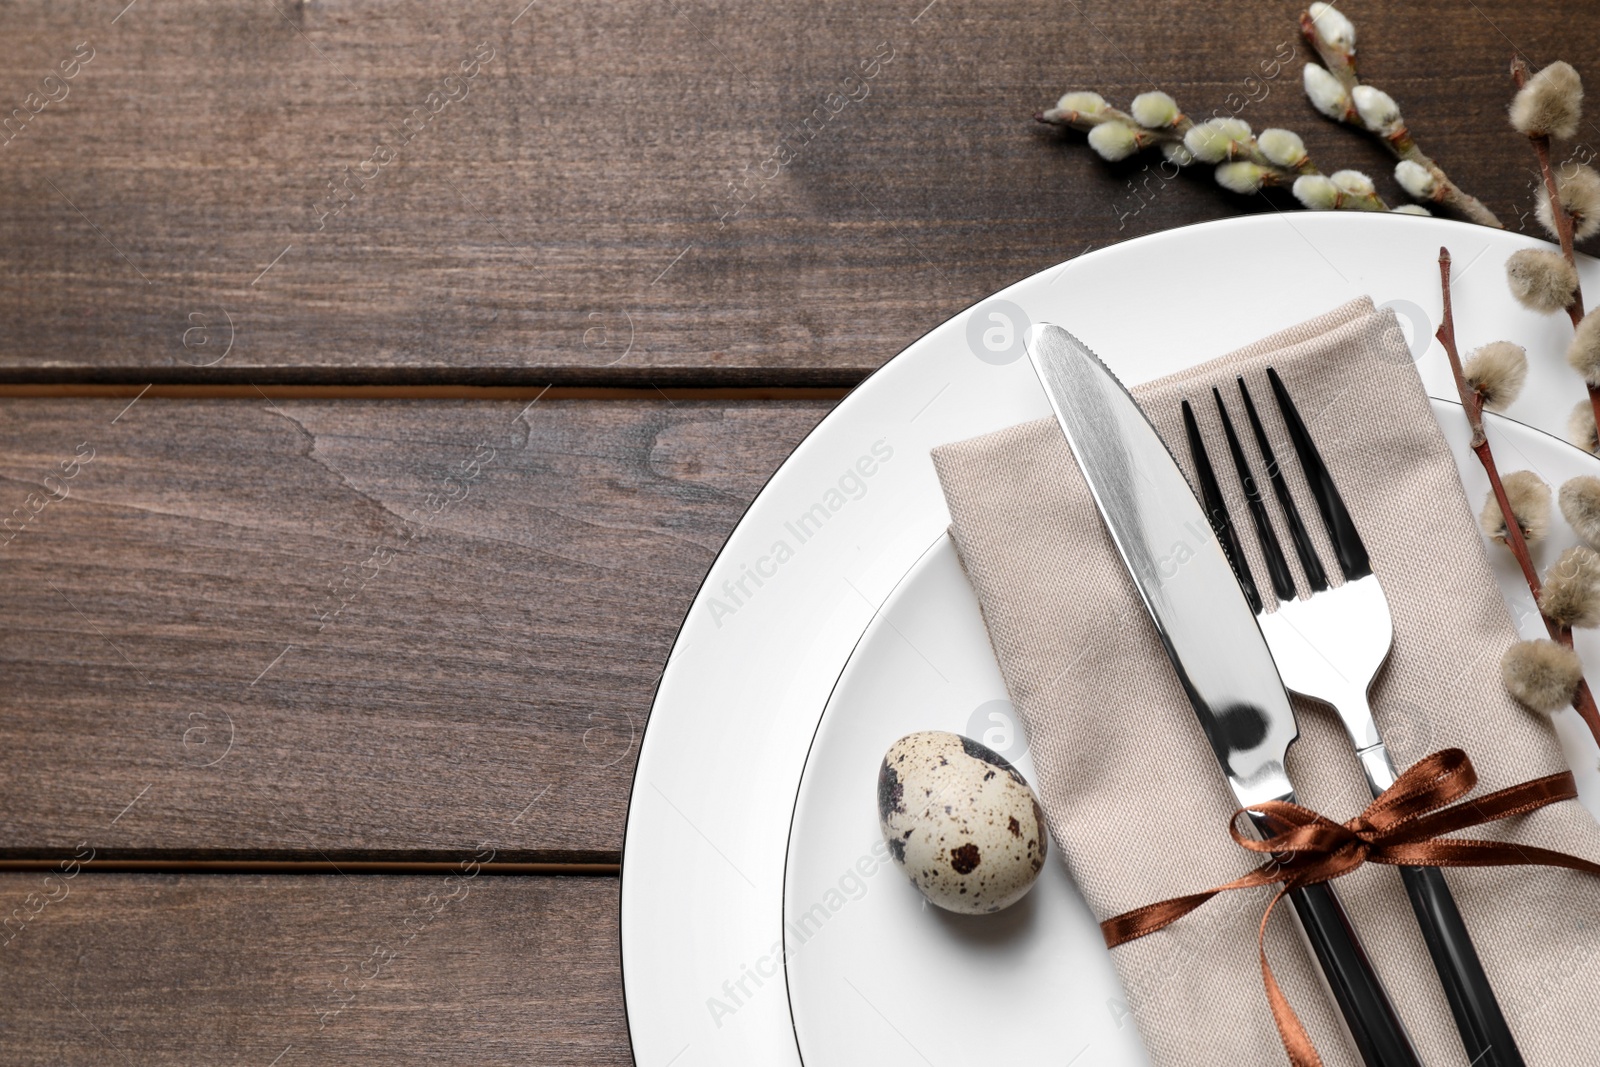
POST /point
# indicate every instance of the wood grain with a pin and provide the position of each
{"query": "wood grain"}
(292, 971)
(350, 630)
(599, 207)
(273, 630)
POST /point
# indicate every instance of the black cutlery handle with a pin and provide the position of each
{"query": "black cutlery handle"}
(1380, 1037)
(1483, 1026)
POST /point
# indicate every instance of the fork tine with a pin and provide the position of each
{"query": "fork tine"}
(1277, 566)
(1341, 528)
(1316, 577)
(1217, 511)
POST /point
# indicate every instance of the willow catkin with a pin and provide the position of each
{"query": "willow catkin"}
(1570, 594)
(1580, 505)
(1579, 189)
(1541, 279)
(1497, 371)
(1541, 674)
(1584, 351)
(1550, 104)
(1529, 497)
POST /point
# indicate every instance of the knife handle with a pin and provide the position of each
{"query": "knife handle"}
(1483, 1026)
(1379, 1035)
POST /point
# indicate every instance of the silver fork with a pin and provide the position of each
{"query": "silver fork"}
(1329, 647)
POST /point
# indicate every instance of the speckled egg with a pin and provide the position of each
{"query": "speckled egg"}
(960, 821)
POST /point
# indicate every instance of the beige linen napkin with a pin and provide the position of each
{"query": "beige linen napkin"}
(1135, 800)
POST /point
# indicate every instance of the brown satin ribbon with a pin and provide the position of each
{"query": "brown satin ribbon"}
(1402, 828)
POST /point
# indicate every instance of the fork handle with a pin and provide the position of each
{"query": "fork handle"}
(1379, 1035)
(1483, 1026)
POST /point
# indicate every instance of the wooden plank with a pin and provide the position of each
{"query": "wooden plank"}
(605, 199)
(354, 630)
(294, 971)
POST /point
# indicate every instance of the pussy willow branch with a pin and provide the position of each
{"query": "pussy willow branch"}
(1274, 174)
(1563, 221)
(1395, 136)
(1084, 121)
(1558, 210)
(1472, 404)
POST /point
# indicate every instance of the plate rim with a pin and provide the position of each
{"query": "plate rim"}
(846, 405)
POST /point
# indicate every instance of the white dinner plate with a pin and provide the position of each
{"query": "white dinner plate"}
(836, 619)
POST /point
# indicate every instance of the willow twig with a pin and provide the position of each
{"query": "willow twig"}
(1472, 403)
(1245, 163)
(1562, 219)
(1393, 135)
(1558, 210)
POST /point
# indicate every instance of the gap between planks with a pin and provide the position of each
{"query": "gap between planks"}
(138, 866)
(423, 392)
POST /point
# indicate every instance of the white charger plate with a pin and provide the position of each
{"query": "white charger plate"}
(836, 619)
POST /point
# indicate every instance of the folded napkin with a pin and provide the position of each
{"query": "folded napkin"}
(1135, 799)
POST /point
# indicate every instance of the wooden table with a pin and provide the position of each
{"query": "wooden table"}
(381, 380)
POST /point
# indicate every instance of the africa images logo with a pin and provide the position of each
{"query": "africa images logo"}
(997, 330)
(851, 485)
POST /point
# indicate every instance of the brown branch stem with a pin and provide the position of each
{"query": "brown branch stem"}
(1395, 137)
(1144, 136)
(1558, 210)
(1471, 400)
(1340, 64)
(1514, 537)
(1472, 403)
(1404, 146)
(1563, 220)
(1248, 150)
(1594, 406)
(1583, 701)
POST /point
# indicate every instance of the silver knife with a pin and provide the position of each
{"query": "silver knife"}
(1212, 638)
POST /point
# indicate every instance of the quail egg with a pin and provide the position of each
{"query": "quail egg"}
(960, 821)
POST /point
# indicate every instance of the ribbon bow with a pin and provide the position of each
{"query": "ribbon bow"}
(1402, 827)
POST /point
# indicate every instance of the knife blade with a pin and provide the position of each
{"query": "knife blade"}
(1189, 587)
